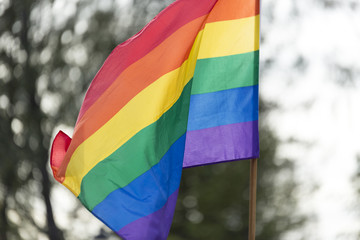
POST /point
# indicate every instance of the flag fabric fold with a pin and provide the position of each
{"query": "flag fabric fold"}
(182, 92)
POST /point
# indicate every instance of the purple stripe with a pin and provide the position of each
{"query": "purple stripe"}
(155, 226)
(223, 143)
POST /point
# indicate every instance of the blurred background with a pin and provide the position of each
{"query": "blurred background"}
(309, 170)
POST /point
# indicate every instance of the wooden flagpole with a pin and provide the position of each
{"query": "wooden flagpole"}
(252, 200)
(253, 174)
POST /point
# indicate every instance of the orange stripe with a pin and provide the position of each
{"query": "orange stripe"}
(133, 80)
(233, 9)
(152, 66)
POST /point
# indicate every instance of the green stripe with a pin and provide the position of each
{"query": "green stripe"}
(222, 73)
(137, 155)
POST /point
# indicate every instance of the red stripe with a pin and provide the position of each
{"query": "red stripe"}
(132, 81)
(58, 150)
(138, 50)
(125, 54)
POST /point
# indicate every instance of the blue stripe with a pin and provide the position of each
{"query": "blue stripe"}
(223, 107)
(146, 194)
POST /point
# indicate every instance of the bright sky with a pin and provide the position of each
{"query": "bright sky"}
(315, 109)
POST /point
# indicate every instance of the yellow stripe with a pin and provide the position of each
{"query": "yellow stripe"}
(143, 110)
(217, 39)
(230, 37)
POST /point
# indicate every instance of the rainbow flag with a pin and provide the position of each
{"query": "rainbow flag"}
(182, 92)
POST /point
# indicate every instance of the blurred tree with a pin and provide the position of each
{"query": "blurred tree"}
(49, 52)
(25, 144)
(213, 200)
